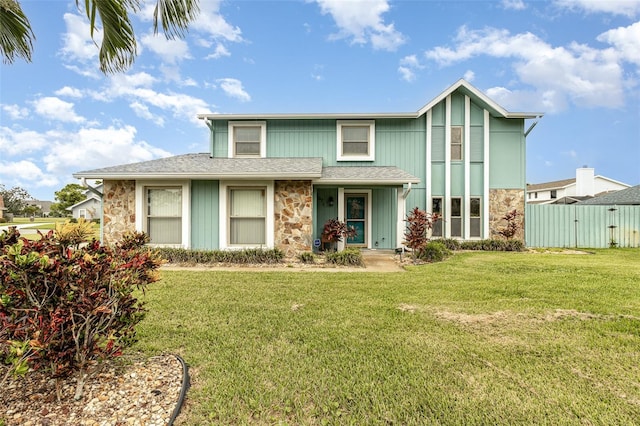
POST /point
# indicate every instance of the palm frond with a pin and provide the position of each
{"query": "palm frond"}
(16, 36)
(174, 16)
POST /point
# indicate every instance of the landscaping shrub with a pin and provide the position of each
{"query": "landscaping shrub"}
(419, 222)
(346, 257)
(246, 256)
(3, 220)
(433, 251)
(486, 245)
(65, 307)
(307, 257)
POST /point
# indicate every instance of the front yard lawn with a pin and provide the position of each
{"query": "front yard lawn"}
(483, 338)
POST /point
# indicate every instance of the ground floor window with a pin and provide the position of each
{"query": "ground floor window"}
(247, 216)
(456, 217)
(436, 208)
(475, 222)
(164, 215)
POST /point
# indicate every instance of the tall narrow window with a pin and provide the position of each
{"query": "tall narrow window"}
(457, 139)
(436, 207)
(164, 215)
(356, 140)
(475, 222)
(247, 216)
(456, 217)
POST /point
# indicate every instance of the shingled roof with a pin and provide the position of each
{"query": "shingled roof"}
(202, 166)
(629, 196)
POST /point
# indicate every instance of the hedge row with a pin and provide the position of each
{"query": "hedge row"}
(486, 245)
(246, 256)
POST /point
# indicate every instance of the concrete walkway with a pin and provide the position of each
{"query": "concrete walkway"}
(27, 228)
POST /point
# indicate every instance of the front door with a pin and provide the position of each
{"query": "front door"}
(355, 214)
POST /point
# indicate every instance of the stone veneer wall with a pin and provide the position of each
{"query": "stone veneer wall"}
(293, 216)
(119, 204)
(501, 202)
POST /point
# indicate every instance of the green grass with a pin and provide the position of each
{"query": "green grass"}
(483, 338)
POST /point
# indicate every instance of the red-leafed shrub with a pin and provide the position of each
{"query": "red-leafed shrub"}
(416, 236)
(513, 225)
(65, 306)
(335, 231)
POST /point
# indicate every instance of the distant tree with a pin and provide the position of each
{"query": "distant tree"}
(118, 49)
(66, 197)
(15, 199)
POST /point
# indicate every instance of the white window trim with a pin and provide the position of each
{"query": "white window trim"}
(479, 237)
(372, 140)
(263, 136)
(186, 208)
(82, 213)
(224, 214)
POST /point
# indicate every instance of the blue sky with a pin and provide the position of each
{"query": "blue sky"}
(577, 61)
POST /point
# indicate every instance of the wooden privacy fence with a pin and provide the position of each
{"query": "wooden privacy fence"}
(582, 226)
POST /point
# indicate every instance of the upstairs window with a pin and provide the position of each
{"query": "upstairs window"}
(356, 140)
(554, 194)
(247, 139)
(457, 139)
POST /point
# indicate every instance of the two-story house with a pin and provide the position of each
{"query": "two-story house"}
(584, 186)
(273, 180)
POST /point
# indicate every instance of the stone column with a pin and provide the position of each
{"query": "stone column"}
(119, 209)
(293, 216)
(501, 202)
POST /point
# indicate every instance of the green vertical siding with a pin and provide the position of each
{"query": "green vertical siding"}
(507, 153)
(438, 114)
(457, 109)
(437, 143)
(476, 178)
(582, 226)
(437, 178)
(476, 144)
(204, 214)
(383, 221)
(457, 179)
(322, 210)
(477, 115)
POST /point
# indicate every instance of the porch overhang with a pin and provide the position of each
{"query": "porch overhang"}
(365, 175)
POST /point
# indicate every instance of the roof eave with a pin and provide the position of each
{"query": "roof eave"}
(310, 116)
(158, 176)
(338, 181)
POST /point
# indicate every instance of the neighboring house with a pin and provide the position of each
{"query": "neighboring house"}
(89, 208)
(2, 208)
(584, 186)
(624, 197)
(44, 207)
(273, 180)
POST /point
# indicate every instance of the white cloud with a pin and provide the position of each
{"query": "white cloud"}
(78, 44)
(233, 88)
(629, 8)
(584, 75)
(24, 171)
(219, 52)
(514, 4)
(361, 20)
(70, 92)
(625, 40)
(210, 22)
(15, 112)
(408, 67)
(92, 148)
(56, 109)
(16, 142)
(170, 51)
(469, 75)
